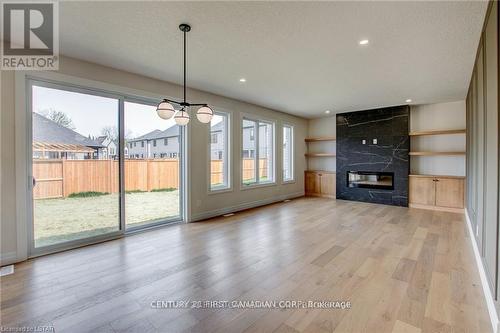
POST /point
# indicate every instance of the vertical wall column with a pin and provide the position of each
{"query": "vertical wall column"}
(483, 173)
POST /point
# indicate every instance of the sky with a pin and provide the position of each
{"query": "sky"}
(90, 114)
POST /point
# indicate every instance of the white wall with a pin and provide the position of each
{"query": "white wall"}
(202, 204)
(438, 116)
(8, 167)
(322, 127)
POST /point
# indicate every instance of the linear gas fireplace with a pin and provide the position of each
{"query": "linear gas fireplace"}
(370, 179)
(372, 155)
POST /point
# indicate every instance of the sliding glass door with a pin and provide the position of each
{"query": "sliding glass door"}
(152, 166)
(102, 164)
(75, 166)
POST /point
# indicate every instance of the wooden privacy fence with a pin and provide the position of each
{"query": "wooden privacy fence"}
(216, 172)
(60, 178)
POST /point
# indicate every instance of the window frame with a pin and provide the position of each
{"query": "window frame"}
(228, 187)
(292, 155)
(258, 120)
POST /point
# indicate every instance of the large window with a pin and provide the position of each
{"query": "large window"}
(288, 153)
(257, 152)
(219, 151)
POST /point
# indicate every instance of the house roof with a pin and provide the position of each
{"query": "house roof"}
(49, 132)
(158, 134)
(101, 139)
(217, 127)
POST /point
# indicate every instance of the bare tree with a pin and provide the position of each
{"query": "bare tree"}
(112, 133)
(59, 117)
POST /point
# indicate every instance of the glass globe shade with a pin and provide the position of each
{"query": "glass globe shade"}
(204, 114)
(165, 110)
(181, 118)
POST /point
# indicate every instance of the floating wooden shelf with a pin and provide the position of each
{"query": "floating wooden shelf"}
(435, 153)
(320, 155)
(325, 138)
(437, 132)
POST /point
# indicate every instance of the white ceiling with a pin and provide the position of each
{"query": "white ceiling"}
(298, 57)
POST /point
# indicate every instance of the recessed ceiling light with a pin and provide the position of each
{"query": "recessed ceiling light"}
(408, 100)
(364, 42)
(243, 79)
(327, 111)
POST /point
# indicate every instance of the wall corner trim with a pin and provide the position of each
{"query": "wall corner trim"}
(495, 324)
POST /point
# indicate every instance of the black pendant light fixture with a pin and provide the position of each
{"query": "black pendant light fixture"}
(166, 110)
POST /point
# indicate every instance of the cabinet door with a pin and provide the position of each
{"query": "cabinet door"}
(312, 185)
(422, 191)
(450, 192)
(327, 181)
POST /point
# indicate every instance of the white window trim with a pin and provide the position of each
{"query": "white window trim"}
(292, 157)
(229, 186)
(257, 119)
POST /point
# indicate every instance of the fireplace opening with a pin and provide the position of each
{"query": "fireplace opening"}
(371, 179)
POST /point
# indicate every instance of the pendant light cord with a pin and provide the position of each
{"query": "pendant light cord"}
(184, 66)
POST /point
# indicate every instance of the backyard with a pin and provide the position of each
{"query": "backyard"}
(76, 199)
(64, 219)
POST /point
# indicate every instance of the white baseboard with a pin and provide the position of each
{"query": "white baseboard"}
(8, 258)
(488, 295)
(247, 205)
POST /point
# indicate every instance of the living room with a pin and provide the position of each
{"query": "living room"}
(250, 166)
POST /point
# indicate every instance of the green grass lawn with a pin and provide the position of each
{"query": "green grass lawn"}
(58, 220)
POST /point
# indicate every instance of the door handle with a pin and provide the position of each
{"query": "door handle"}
(33, 180)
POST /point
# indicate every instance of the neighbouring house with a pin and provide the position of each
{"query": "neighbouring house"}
(155, 144)
(216, 141)
(109, 150)
(165, 144)
(249, 141)
(53, 141)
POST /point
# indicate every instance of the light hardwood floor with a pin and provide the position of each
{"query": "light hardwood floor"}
(403, 270)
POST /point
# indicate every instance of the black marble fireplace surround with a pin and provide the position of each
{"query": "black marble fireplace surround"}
(389, 126)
